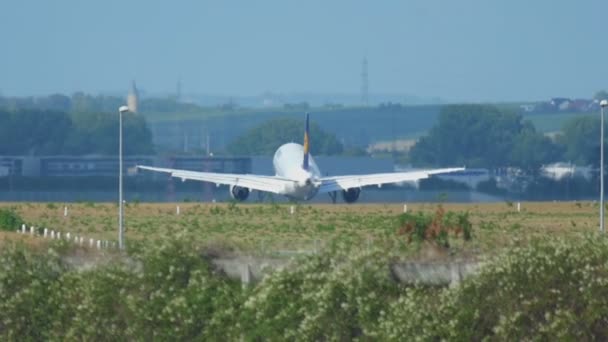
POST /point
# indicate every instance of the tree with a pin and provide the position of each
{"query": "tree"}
(37, 132)
(84, 103)
(267, 137)
(482, 136)
(33, 132)
(531, 150)
(471, 135)
(98, 133)
(55, 102)
(580, 139)
(601, 95)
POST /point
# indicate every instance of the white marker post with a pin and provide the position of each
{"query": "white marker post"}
(65, 211)
(177, 210)
(32, 230)
(246, 276)
(98, 244)
(46, 233)
(292, 210)
(23, 228)
(58, 235)
(518, 207)
(67, 236)
(52, 234)
(91, 243)
(405, 208)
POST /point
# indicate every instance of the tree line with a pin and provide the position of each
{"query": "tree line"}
(471, 135)
(45, 132)
(489, 137)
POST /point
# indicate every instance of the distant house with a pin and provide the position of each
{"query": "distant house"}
(557, 171)
(581, 105)
(528, 108)
(560, 103)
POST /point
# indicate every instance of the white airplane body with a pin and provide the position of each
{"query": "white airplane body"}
(297, 176)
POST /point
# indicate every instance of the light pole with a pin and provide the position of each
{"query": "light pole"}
(121, 228)
(603, 105)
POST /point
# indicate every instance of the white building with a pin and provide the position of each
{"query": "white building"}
(560, 170)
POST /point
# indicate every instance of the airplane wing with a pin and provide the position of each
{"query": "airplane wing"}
(329, 184)
(255, 182)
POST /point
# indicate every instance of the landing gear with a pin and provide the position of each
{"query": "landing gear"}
(333, 195)
(351, 195)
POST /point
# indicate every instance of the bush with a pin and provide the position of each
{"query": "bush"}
(335, 296)
(435, 227)
(9, 220)
(167, 292)
(550, 290)
(26, 282)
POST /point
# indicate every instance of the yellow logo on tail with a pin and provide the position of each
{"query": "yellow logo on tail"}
(306, 142)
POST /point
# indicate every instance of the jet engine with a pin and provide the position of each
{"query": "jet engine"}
(351, 195)
(239, 193)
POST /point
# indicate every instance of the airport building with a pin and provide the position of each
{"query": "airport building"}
(107, 166)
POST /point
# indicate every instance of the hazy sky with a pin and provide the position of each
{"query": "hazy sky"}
(459, 50)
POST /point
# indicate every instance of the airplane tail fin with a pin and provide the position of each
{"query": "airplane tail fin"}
(305, 163)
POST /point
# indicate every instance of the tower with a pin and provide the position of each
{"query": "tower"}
(133, 98)
(364, 84)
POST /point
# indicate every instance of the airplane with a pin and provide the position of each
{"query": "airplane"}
(298, 176)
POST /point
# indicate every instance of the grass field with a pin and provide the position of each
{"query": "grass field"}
(271, 228)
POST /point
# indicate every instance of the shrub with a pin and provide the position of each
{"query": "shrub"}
(9, 220)
(333, 296)
(26, 281)
(435, 227)
(552, 289)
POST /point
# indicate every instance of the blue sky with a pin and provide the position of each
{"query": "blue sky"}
(463, 50)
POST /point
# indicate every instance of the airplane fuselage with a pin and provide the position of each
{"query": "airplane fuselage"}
(288, 164)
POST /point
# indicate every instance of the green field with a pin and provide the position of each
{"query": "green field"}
(258, 229)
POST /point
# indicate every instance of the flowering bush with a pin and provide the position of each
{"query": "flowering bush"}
(167, 292)
(550, 289)
(26, 282)
(333, 296)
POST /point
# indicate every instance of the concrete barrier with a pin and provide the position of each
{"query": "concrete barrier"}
(252, 269)
(433, 273)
